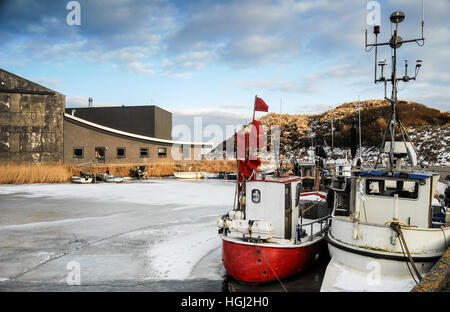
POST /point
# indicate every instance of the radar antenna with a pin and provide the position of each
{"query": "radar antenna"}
(394, 43)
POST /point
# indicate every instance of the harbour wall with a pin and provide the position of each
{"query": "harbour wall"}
(437, 279)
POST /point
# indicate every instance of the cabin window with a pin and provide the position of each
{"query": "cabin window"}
(162, 152)
(121, 152)
(256, 196)
(404, 189)
(78, 152)
(144, 152)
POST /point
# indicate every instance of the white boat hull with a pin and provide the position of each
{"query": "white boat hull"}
(369, 261)
(349, 272)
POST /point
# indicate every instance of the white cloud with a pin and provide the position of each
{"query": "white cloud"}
(50, 83)
(281, 85)
(185, 75)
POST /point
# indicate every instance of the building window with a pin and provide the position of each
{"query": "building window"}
(162, 152)
(144, 152)
(78, 152)
(100, 154)
(121, 152)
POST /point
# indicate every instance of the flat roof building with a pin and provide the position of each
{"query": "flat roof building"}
(36, 127)
(149, 120)
(88, 142)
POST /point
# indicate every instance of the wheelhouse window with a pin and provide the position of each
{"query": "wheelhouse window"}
(78, 152)
(404, 189)
(144, 152)
(256, 196)
(121, 152)
(162, 152)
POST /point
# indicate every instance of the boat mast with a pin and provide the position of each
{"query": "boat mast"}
(395, 42)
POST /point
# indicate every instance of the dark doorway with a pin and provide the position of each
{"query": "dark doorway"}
(287, 211)
(100, 154)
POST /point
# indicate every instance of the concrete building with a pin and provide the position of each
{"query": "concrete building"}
(36, 127)
(31, 121)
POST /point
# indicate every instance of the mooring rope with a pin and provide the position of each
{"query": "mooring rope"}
(396, 226)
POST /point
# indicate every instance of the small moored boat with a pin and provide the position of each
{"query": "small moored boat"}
(113, 179)
(188, 175)
(81, 180)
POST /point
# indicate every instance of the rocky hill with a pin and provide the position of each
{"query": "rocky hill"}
(428, 128)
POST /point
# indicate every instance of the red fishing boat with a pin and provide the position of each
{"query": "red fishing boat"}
(273, 232)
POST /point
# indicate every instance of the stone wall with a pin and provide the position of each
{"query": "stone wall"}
(31, 121)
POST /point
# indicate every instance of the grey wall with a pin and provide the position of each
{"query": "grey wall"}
(31, 121)
(150, 121)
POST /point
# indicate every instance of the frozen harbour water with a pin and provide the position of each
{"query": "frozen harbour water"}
(155, 235)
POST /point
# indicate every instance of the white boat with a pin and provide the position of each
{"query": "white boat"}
(113, 179)
(382, 235)
(188, 175)
(211, 176)
(82, 180)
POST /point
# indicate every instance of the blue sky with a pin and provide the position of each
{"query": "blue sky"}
(210, 58)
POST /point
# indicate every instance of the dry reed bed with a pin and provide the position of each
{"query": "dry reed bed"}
(59, 173)
(33, 173)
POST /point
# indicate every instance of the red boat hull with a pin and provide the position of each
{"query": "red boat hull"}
(259, 264)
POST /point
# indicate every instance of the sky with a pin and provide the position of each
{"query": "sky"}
(209, 59)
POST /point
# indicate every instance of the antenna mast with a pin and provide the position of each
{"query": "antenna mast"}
(395, 43)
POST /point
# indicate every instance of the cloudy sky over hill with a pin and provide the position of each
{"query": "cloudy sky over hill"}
(210, 58)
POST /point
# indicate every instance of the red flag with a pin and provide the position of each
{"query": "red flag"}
(253, 163)
(260, 105)
(244, 171)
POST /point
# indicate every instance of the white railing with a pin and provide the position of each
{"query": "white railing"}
(313, 235)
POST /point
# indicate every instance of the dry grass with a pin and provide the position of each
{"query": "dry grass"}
(33, 173)
(59, 173)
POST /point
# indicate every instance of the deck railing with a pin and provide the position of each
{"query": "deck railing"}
(313, 235)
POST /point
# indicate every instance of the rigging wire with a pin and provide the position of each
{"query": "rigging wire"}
(268, 264)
